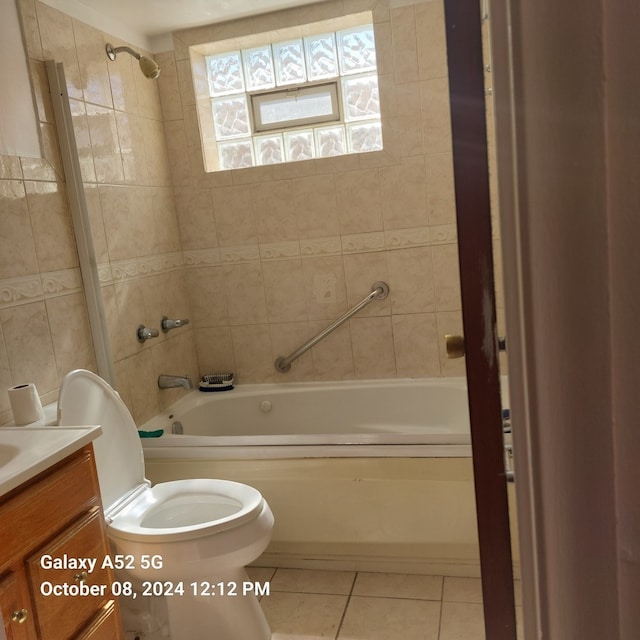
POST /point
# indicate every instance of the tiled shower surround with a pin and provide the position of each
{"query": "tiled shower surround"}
(259, 259)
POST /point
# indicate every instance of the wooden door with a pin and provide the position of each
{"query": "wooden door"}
(471, 172)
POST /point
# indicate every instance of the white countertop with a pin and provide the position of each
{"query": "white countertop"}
(26, 452)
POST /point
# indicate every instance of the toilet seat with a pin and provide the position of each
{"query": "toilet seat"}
(169, 511)
(187, 509)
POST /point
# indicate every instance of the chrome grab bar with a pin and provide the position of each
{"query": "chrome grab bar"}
(379, 291)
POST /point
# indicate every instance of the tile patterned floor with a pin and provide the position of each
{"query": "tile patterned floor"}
(348, 605)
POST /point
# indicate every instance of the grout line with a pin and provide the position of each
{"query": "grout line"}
(346, 606)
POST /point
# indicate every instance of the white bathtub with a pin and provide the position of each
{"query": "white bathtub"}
(380, 418)
(369, 476)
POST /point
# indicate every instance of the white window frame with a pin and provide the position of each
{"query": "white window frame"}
(258, 99)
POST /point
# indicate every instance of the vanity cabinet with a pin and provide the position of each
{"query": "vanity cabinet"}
(57, 515)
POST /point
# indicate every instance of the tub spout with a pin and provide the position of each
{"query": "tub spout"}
(168, 382)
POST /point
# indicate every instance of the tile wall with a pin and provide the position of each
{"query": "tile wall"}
(259, 259)
(44, 330)
(274, 254)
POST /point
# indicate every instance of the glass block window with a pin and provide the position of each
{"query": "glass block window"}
(310, 96)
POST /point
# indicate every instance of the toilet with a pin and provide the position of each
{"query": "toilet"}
(189, 540)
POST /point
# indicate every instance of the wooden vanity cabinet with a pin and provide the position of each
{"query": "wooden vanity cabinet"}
(57, 513)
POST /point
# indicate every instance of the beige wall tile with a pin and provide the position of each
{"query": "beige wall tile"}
(49, 167)
(440, 189)
(107, 156)
(29, 346)
(194, 208)
(156, 152)
(206, 288)
(175, 356)
(286, 337)
(58, 43)
(446, 277)
(404, 194)
(450, 322)
(92, 62)
(325, 287)
(411, 280)
(234, 215)
(373, 355)
(10, 168)
(5, 380)
(121, 78)
(253, 354)
(436, 120)
(115, 203)
(432, 47)
(17, 244)
(83, 140)
(415, 340)
(403, 28)
(214, 347)
(244, 289)
(168, 87)
(131, 139)
(29, 21)
(131, 313)
(332, 358)
(275, 211)
(361, 271)
(72, 349)
(51, 224)
(137, 376)
(41, 92)
(359, 207)
(316, 206)
(284, 291)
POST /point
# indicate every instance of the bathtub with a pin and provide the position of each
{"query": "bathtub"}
(381, 418)
(368, 476)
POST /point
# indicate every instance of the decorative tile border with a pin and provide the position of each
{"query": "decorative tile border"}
(201, 257)
(60, 283)
(248, 253)
(104, 273)
(160, 263)
(39, 286)
(444, 234)
(124, 270)
(280, 250)
(16, 291)
(319, 247)
(363, 242)
(404, 238)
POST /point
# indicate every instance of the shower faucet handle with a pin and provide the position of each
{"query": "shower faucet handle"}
(144, 333)
(168, 324)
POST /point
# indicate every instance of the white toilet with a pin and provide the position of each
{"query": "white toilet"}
(194, 535)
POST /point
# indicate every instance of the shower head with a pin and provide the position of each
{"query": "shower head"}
(148, 66)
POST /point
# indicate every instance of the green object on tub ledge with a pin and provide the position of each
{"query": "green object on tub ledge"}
(150, 434)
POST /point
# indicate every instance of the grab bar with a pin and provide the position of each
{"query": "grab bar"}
(379, 291)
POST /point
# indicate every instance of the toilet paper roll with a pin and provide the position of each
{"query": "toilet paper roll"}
(25, 403)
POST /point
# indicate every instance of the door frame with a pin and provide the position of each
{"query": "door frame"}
(473, 214)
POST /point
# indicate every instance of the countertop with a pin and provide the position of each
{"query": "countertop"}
(27, 451)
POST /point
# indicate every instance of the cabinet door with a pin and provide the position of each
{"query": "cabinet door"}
(16, 613)
(105, 626)
(61, 610)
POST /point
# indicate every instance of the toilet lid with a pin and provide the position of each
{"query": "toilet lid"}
(86, 399)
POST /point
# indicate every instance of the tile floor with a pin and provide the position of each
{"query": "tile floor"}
(348, 605)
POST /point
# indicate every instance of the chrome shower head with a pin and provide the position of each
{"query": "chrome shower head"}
(148, 66)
